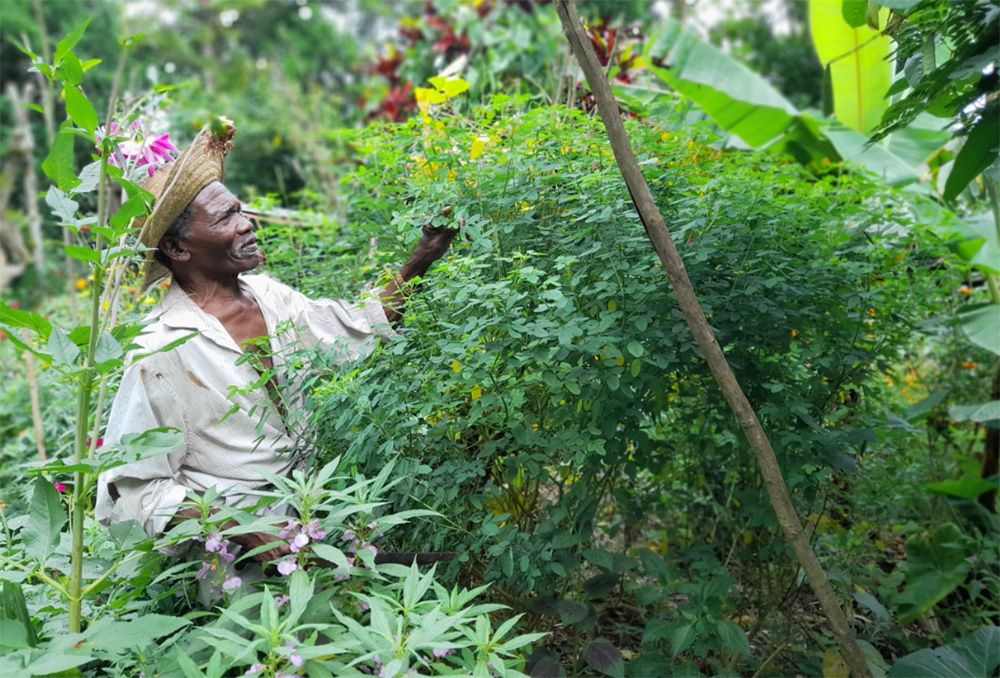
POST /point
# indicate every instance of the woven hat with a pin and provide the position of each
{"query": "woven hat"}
(177, 183)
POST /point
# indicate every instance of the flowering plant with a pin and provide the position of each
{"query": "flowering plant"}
(137, 148)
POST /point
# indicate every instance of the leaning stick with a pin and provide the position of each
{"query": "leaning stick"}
(660, 238)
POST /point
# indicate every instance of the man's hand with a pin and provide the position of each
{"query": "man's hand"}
(252, 540)
(433, 243)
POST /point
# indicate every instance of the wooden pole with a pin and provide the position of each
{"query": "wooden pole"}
(659, 236)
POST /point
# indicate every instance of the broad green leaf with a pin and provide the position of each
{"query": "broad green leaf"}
(58, 164)
(131, 208)
(150, 443)
(71, 70)
(450, 87)
(61, 348)
(45, 521)
(916, 142)
(62, 206)
(83, 253)
(89, 176)
(870, 602)
(974, 656)
(13, 636)
(79, 108)
(681, 638)
(107, 348)
(859, 65)
(966, 487)
(982, 247)
(978, 153)
(935, 567)
(982, 325)
(853, 146)
(650, 665)
(605, 657)
(979, 412)
(919, 410)
(733, 637)
(14, 609)
(737, 99)
(854, 12)
(54, 663)
(68, 43)
(901, 6)
(119, 637)
(16, 317)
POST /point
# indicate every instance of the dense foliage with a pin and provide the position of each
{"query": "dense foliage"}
(544, 411)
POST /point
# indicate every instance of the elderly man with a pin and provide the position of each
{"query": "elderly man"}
(204, 241)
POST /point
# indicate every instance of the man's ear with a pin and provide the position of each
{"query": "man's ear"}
(175, 249)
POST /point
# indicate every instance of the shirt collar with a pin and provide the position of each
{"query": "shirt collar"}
(177, 310)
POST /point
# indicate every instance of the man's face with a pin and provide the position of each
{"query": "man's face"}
(222, 238)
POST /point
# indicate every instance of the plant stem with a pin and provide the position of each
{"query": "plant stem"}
(662, 242)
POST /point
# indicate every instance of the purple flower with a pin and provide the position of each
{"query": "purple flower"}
(214, 543)
(206, 567)
(287, 566)
(231, 582)
(442, 653)
(280, 600)
(296, 544)
(315, 531)
(371, 547)
(296, 660)
(288, 530)
(225, 556)
(349, 535)
(256, 667)
(150, 151)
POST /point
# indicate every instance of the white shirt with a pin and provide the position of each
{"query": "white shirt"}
(229, 433)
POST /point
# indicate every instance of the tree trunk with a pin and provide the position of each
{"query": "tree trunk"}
(991, 450)
(658, 234)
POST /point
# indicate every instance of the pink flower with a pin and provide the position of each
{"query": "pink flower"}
(148, 151)
(287, 566)
(348, 536)
(214, 543)
(60, 487)
(315, 531)
(296, 660)
(280, 600)
(203, 572)
(256, 667)
(296, 544)
(442, 653)
(231, 582)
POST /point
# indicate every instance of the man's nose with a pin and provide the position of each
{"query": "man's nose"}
(245, 224)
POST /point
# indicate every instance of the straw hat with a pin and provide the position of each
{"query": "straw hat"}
(177, 183)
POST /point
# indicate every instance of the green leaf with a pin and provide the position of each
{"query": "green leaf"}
(966, 487)
(599, 557)
(978, 153)
(61, 348)
(974, 656)
(935, 567)
(107, 348)
(981, 248)
(733, 637)
(151, 443)
(737, 99)
(68, 43)
(130, 209)
(919, 140)
(870, 602)
(117, 638)
(79, 108)
(45, 521)
(854, 12)
(62, 206)
(901, 6)
(854, 146)
(600, 586)
(16, 317)
(657, 629)
(13, 608)
(859, 65)
(58, 164)
(13, 636)
(681, 638)
(71, 70)
(54, 663)
(919, 410)
(635, 348)
(982, 412)
(650, 665)
(605, 657)
(982, 325)
(82, 253)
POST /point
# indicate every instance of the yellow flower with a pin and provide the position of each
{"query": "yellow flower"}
(795, 333)
(455, 365)
(81, 283)
(476, 392)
